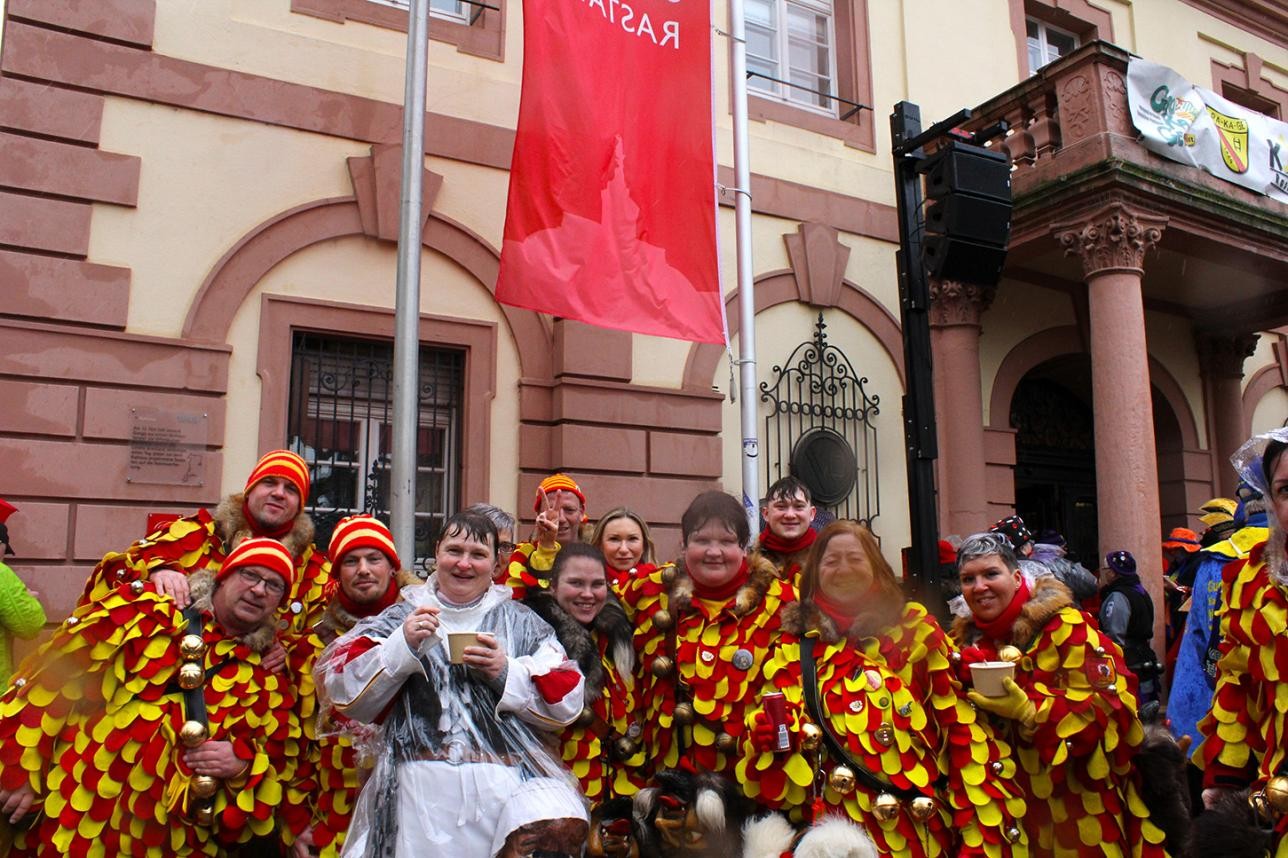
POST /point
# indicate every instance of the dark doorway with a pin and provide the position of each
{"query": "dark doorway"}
(1055, 459)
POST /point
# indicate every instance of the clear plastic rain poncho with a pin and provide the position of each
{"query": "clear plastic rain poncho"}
(1247, 461)
(460, 762)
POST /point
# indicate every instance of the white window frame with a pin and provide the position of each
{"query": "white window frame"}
(460, 13)
(1043, 44)
(790, 94)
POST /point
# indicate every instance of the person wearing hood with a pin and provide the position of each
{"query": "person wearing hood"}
(1194, 677)
(1068, 712)
(1127, 616)
(144, 729)
(1051, 550)
(878, 728)
(602, 747)
(270, 505)
(1243, 743)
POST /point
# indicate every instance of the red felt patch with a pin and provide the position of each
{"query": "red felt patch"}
(555, 685)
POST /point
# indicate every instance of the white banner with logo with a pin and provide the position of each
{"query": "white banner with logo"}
(1196, 126)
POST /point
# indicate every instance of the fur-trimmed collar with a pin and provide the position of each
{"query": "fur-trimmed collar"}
(201, 587)
(749, 596)
(1049, 597)
(579, 641)
(232, 526)
(800, 617)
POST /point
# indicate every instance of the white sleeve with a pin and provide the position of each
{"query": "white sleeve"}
(361, 675)
(522, 697)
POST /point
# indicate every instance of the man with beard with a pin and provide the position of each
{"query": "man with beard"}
(366, 577)
(142, 729)
(270, 505)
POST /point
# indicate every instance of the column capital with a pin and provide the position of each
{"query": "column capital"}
(953, 302)
(1222, 355)
(1114, 238)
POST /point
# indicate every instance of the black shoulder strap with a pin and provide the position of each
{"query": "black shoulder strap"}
(809, 678)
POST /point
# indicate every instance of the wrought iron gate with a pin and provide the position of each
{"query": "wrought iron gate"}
(820, 428)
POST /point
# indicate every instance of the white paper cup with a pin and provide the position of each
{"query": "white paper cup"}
(988, 676)
(456, 644)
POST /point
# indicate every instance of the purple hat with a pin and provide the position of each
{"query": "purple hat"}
(1122, 563)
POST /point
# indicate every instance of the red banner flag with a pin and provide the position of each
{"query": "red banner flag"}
(611, 213)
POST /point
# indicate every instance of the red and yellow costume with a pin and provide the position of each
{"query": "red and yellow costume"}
(529, 569)
(603, 747)
(93, 726)
(701, 661)
(893, 701)
(1076, 764)
(787, 556)
(1243, 734)
(201, 541)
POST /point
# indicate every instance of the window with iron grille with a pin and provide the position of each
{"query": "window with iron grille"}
(340, 420)
(793, 40)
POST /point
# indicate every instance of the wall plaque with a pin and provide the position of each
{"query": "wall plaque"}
(167, 447)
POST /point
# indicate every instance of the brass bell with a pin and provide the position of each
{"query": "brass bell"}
(842, 780)
(1011, 834)
(192, 647)
(625, 748)
(922, 808)
(204, 786)
(204, 814)
(1010, 653)
(886, 807)
(136, 587)
(683, 714)
(193, 733)
(726, 743)
(811, 736)
(586, 718)
(191, 675)
(1276, 792)
(668, 574)
(662, 666)
(662, 620)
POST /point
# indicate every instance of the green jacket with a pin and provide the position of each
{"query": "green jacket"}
(21, 614)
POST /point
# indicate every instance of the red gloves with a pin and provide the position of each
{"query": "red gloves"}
(764, 735)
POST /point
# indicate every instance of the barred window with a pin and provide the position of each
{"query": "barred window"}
(340, 420)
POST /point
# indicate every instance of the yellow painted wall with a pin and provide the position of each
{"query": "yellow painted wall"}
(1019, 311)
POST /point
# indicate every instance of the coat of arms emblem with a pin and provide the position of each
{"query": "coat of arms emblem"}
(1233, 134)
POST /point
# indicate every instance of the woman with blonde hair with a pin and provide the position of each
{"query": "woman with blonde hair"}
(622, 536)
(878, 727)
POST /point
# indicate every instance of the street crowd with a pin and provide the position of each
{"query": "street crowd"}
(226, 687)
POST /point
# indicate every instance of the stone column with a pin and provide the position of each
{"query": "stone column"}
(1221, 359)
(1111, 244)
(955, 311)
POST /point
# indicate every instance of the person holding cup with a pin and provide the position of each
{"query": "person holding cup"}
(879, 730)
(1067, 711)
(462, 754)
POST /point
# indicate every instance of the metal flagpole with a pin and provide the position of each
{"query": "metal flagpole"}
(746, 299)
(402, 503)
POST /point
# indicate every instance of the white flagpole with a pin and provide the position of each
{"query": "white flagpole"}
(746, 298)
(406, 369)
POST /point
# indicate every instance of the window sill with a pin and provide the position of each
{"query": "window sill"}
(855, 132)
(485, 38)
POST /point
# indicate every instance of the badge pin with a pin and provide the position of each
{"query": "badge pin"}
(873, 679)
(885, 735)
(905, 710)
(743, 660)
(856, 706)
(297, 607)
(708, 656)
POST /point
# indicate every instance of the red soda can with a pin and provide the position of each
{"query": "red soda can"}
(776, 711)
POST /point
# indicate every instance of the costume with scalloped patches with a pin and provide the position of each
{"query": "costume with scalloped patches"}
(900, 678)
(93, 729)
(696, 651)
(1243, 741)
(201, 541)
(1081, 791)
(528, 569)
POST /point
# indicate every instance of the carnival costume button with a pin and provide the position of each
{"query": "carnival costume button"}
(905, 710)
(873, 679)
(297, 607)
(743, 660)
(856, 705)
(707, 656)
(73, 621)
(881, 702)
(634, 731)
(884, 734)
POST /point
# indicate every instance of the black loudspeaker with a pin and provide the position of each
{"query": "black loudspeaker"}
(968, 218)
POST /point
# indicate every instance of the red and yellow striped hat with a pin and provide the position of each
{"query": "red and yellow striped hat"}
(284, 464)
(557, 483)
(361, 531)
(260, 551)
